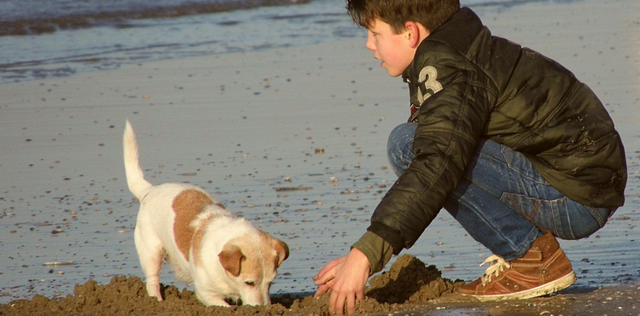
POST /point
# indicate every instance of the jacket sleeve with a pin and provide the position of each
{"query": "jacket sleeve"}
(455, 99)
(377, 250)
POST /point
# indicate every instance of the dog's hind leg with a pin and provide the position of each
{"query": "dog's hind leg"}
(151, 255)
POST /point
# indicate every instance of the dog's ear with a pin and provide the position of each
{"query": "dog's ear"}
(231, 259)
(282, 250)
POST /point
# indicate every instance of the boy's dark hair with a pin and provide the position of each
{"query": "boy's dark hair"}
(429, 13)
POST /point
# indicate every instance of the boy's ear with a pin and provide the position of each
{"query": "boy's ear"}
(415, 33)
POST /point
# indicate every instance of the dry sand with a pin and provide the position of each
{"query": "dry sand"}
(247, 125)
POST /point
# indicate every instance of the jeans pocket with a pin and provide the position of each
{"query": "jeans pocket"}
(564, 217)
(538, 211)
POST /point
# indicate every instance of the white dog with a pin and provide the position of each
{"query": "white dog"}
(224, 256)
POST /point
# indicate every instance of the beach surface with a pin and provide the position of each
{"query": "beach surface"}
(293, 139)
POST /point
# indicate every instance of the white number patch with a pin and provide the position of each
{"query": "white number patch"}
(428, 78)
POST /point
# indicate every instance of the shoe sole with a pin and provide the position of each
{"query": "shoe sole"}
(548, 288)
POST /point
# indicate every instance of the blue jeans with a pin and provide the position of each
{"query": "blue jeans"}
(502, 201)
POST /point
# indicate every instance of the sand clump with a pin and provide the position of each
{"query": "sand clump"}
(408, 281)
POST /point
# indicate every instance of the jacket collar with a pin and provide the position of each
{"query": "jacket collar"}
(457, 32)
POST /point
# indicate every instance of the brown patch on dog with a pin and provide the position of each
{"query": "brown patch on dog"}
(187, 205)
(281, 248)
(198, 236)
(231, 259)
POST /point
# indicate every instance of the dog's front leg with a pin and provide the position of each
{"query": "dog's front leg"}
(211, 298)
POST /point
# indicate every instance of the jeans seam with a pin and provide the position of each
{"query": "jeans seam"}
(601, 221)
(556, 220)
(510, 165)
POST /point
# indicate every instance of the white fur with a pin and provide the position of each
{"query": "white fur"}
(220, 233)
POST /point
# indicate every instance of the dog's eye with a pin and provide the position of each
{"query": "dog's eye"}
(250, 283)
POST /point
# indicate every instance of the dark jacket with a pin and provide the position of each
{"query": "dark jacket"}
(468, 85)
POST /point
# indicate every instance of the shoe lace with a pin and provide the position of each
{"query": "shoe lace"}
(497, 266)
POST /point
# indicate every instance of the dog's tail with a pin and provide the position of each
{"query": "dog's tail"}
(135, 177)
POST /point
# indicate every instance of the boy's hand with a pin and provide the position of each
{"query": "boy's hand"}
(346, 277)
(325, 279)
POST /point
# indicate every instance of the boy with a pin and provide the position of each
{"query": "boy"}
(509, 142)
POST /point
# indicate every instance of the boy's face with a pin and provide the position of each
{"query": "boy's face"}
(394, 50)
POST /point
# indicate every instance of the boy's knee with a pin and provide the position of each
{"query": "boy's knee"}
(400, 145)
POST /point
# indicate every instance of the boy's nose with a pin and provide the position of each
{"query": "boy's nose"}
(370, 45)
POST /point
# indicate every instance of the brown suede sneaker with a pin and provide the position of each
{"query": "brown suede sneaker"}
(542, 270)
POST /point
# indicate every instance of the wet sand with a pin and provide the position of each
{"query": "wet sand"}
(292, 139)
(409, 287)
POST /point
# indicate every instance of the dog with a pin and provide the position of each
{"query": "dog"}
(225, 257)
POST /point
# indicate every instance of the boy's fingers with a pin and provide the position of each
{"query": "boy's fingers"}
(328, 272)
(351, 304)
(324, 288)
(324, 272)
(321, 290)
(322, 278)
(336, 304)
(359, 298)
(328, 267)
(340, 303)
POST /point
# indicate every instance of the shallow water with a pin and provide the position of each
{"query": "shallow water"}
(60, 38)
